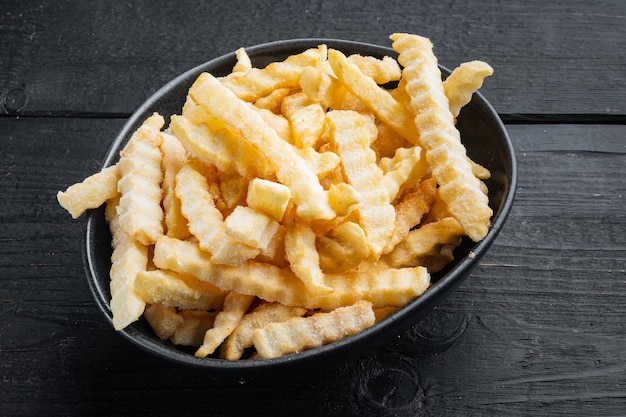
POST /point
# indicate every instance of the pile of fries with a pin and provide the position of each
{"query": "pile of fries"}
(294, 205)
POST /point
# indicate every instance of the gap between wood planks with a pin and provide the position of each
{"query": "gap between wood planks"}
(507, 118)
(565, 118)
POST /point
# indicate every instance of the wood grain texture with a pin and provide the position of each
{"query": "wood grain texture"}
(537, 329)
(550, 58)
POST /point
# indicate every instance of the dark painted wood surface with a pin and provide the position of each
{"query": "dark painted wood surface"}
(560, 57)
(539, 328)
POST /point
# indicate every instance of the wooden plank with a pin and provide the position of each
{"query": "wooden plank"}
(538, 328)
(546, 55)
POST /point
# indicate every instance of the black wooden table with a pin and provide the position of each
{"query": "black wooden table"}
(539, 328)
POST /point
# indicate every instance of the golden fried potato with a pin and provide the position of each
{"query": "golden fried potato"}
(323, 88)
(129, 257)
(256, 83)
(175, 290)
(251, 227)
(290, 168)
(139, 209)
(235, 306)
(342, 248)
(463, 82)
(381, 71)
(301, 253)
(411, 209)
(444, 151)
(300, 333)
(351, 139)
(241, 338)
(91, 193)
(376, 98)
(421, 242)
(206, 222)
(193, 328)
(306, 118)
(268, 197)
(174, 157)
(163, 320)
(243, 61)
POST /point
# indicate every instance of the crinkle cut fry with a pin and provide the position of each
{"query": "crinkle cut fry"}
(195, 325)
(328, 91)
(241, 338)
(382, 287)
(291, 170)
(203, 144)
(423, 240)
(350, 139)
(243, 61)
(410, 209)
(301, 333)
(174, 156)
(376, 98)
(306, 118)
(216, 147)
(235, 306)
(173, 290)
(302, 255)
(380, 70)
(464, 80)
(129, 258)
(255, 83)
(139, 209)
(438, 135)
(91, 193)
(406, 166)
(206, 222)
(163, 320)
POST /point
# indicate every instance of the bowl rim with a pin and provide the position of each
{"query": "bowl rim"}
(396, 323)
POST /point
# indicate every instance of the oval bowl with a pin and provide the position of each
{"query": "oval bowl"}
(483, 135)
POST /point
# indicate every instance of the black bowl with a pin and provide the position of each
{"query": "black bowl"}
(486, 141)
